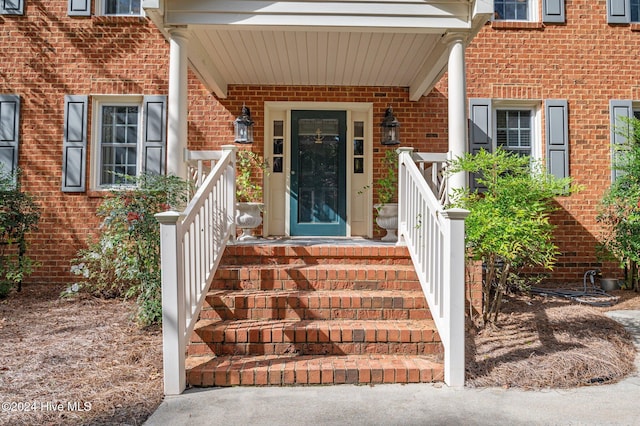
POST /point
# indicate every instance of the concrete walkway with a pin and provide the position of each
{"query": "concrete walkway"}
(419, 404)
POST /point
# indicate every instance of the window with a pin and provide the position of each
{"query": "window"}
(122, 7)
(105, 7)
(128, 138)
(635, 10)
(513, 10)
(514, 130)
(118, 143)
(529, 10)
(517, 126)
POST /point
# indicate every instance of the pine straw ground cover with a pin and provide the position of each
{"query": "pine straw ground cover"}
(58, 351)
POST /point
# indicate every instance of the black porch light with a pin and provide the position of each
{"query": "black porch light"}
(243, 126)
(390, 129)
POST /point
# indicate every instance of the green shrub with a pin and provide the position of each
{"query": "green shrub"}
(508, 226)
(125, 260)
(19, 215)
(619, 210)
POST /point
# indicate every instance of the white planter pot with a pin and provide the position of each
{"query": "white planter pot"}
(387, 219)
(248, 217)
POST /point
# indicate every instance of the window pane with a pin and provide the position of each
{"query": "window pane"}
(511, 9)
(635, 10)
(122, 7)
(513, 130)
(119, 143)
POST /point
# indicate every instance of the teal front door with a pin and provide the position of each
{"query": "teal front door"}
(318, 173)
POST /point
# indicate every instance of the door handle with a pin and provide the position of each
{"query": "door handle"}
(293, 172)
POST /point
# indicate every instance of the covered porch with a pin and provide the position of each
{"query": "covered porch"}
(305, 45)
(310, 43)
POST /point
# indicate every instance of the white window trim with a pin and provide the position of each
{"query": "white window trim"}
(533, 13)
(536, 117)
(96, 152)
(101, 6)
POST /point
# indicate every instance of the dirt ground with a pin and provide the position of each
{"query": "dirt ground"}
(84, 362)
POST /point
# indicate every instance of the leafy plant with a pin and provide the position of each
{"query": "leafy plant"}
(620, 205)
(19, 215)
(125, 260)
(508, 226)
(248, 188)
(387, 183)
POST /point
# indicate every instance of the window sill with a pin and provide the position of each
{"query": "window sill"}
(516, 25)
(108, 20)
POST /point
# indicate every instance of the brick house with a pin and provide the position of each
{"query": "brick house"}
(543, 77)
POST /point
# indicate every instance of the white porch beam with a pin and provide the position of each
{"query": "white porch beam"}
(206, 69)
(457, 94)
(432, 70)
(178, 91)
(443, 14)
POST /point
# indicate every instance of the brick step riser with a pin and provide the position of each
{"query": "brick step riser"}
(299, 261)
(326, 314)
(312, 285)
(316, 332)
(312, 273)
(223, 349)
(306, 370)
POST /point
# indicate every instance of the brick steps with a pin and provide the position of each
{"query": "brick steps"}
(334, 337)
(327, 305)
(274, 370)
(314, 314)
(316, 277)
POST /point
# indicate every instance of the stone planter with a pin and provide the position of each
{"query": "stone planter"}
(387, 219)
(248, 217)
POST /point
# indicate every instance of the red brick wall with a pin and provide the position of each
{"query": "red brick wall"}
(587, 62)
(46, 54)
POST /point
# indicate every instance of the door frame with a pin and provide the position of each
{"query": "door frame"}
(365, 192)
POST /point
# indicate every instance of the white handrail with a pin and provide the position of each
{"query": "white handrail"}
(192, 244)
(435, 239)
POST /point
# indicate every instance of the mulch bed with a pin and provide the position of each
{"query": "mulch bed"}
(60, 355)
(87, 353)
(549, 342)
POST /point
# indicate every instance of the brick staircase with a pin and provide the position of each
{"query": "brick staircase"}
(314, 314)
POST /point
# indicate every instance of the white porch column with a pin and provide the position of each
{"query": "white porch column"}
(178, 91)
(457, 105)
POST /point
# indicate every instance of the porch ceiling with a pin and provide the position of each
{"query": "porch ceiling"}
(343, 43)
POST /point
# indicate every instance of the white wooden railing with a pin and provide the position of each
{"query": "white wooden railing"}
(192, 244)
(435, 239)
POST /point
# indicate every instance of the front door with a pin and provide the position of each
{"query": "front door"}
(318, 173)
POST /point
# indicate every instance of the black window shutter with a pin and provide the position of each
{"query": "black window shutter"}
(618, 11)
(480, 131)
(619, 112)
(74, 145)
(11, 7)
(155, 134)
(79, 8)
(9, 132)
(553, 11)
(557, 137)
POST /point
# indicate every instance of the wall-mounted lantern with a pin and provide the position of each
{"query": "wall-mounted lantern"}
(390, 129)
(243, 126)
